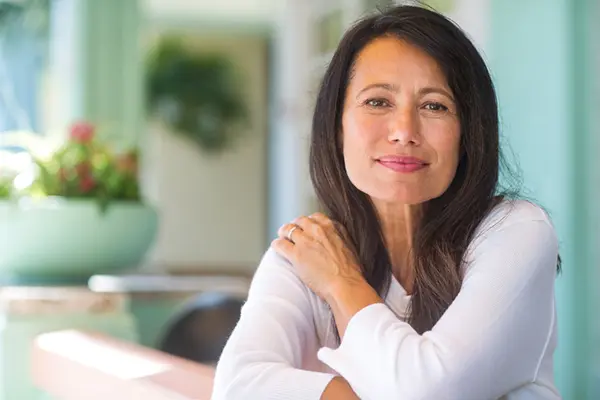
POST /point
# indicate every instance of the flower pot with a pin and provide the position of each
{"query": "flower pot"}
(64, 240)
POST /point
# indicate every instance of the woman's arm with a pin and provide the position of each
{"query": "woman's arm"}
(262, 357)
(339, 389)
(346, 301)
(490, 340)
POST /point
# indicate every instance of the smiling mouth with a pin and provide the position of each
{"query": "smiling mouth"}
(403, 164)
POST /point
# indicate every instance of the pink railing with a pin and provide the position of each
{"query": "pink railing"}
(73, 365)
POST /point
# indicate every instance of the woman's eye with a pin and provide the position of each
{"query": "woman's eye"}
(436, 107)
(377, 103)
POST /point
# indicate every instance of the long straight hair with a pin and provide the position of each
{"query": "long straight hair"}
(449, 221)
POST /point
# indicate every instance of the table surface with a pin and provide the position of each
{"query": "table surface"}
(164, 283)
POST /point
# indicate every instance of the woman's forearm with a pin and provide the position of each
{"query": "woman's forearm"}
(339, 389)
(346, 300)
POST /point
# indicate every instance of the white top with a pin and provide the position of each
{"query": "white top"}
(496, 340)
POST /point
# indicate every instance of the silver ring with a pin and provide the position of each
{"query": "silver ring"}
(289, 234)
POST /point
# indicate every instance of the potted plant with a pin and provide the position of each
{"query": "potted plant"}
(75, 212)
(197, 95)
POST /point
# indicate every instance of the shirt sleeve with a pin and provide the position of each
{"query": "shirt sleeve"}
(490, 340)
(263, 355)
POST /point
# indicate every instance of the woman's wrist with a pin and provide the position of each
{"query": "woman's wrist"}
(344, 290)
(346, 298)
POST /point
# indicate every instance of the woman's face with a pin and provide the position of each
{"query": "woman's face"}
(400, 128)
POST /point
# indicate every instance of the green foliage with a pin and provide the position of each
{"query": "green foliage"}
(85, 167)
(196, 95)
(5, 188)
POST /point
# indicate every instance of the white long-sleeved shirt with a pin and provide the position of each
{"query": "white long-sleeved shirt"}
(496, 340)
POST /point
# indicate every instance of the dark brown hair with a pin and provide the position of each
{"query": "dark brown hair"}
(450, 220)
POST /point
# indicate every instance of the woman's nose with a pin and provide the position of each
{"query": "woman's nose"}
(403, 128)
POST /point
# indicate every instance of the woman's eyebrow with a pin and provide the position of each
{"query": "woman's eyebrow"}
(435, 89)
(387, 86)
(395, 89)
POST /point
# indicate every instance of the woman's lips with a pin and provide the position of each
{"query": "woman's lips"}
(402, 163)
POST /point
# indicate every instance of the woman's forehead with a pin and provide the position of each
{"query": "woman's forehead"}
(395, 62)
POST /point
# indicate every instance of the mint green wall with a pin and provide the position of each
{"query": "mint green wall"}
(539, 57)
(18, 331)
(110, 51)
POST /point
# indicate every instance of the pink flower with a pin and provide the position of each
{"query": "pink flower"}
(87, 183)
(82, 132)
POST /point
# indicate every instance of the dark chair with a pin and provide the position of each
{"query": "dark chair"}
(200, 331)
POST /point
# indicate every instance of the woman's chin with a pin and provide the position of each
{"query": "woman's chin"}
(401, 198)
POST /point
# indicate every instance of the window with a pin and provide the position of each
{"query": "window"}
(23, 59)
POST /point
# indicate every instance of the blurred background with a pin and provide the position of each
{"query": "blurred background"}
(150, 149)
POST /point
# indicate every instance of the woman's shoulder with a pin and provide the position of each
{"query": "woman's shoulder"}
(273, 266)
(517, 230)
(514, 211)
(515, 217)
(276, 275)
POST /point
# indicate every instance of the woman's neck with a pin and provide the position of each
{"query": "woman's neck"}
(399, 223)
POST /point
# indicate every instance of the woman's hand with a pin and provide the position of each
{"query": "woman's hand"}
(326, 265)
(321, 257)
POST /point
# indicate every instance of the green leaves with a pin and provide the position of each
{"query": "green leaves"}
(88, 169)
(198, 95)
(5, 188)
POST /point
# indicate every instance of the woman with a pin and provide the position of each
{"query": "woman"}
(419, 281)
